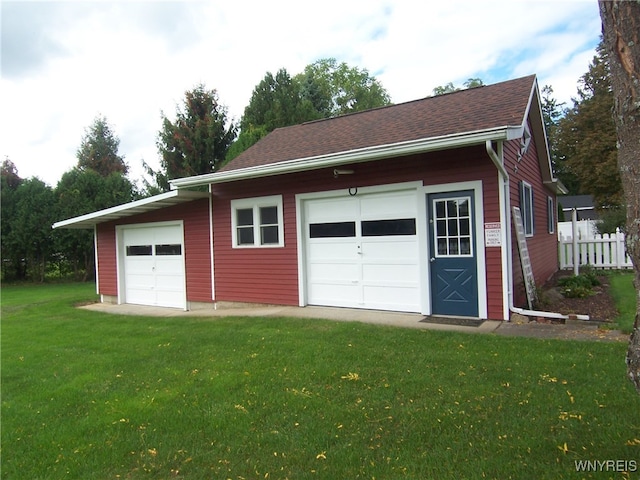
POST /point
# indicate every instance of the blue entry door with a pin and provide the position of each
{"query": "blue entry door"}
(452, 254)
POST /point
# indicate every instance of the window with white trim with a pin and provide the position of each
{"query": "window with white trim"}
(551, 218)
(526, 207)
(257, 222)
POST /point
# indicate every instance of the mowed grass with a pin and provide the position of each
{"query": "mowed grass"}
(97, 396)
(624, 294)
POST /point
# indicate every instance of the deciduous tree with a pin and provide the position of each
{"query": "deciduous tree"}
(336, 88)
(81, 191)
(621, 31)
(30, 236)
(12, 264)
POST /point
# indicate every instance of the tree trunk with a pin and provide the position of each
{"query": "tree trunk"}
(621, 32)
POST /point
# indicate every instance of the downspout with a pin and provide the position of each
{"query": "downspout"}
(497, 161)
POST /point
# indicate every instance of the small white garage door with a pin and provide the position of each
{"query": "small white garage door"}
(362, 251)
(154, 266)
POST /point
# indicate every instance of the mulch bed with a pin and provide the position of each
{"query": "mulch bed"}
(599, 306)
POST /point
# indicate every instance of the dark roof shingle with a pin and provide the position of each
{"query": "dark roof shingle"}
(484, 108)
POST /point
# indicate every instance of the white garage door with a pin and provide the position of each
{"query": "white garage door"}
(154, 266)
(362, 251)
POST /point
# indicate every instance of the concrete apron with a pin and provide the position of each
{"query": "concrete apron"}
(377, 317)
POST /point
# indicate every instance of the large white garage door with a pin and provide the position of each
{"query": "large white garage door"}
(154, 266)
(362, 251)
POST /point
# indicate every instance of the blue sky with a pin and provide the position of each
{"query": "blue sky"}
(64, 63)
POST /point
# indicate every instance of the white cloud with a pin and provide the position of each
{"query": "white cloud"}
(65, 63)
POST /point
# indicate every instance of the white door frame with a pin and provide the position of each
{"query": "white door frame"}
(120, 252)
(476, 187)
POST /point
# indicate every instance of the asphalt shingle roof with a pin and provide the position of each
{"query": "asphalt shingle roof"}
(484, 108)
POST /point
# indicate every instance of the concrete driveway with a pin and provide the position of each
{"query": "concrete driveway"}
(569, 331)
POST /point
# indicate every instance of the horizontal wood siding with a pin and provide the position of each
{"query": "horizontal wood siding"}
(542, 246)
(107, 274)
(270, 275)
(195, 216)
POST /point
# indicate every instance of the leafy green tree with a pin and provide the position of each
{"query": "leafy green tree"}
(12, 265)
(99, 149)
(81, 191)
(450, 87)
(30, 236)
(586, 137)
(277, 101)
(197, 141)
(325, 89)
(336, 88)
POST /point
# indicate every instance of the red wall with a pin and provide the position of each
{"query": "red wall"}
(197, 250)
(270, 275)
(542, 246)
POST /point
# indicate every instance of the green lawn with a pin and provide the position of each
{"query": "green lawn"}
(625, 297)
(93, 396)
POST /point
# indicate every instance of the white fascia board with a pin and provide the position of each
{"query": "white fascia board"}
(170, 198)
(353, 156)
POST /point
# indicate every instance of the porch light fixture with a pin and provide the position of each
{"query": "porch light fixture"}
(339, 171)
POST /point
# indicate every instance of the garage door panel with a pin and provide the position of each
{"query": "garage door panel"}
(332, 250)
(388, 205)
(334, 295)
(386, 274)
(391, 298)
(338, 273)
(331, 210)
(393, 250)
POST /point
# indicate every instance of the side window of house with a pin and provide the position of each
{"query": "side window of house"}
(257, 222)
(526, 208)
(551, 218)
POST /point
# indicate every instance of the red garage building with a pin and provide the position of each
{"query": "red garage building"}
(403, 208)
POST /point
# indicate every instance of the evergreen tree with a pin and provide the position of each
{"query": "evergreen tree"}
(99, 149)
(197, 141)
(585, 144)
(12, 264)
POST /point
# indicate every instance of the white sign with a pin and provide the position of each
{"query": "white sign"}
(492, 234)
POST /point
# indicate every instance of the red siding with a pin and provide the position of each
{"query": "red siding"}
(270, 275)
(107, 275)
(542, 246)
(197, 250)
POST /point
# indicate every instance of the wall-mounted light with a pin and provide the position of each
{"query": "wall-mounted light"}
(340, 171)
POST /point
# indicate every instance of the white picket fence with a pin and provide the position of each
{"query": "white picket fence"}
(599, 251)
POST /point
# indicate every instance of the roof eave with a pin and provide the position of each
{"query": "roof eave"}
(352, 156)
(89, 220)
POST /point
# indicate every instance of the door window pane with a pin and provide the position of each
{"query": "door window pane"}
(332, 229)
(380, 228)
(169, 249)
(139, 250)
(452, 227)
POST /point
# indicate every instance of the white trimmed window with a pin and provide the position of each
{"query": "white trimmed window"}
(526, 207)
(551, 218)
(257, 222)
